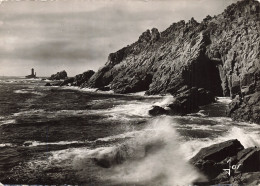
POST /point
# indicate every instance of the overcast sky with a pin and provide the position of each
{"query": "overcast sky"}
(78, 35)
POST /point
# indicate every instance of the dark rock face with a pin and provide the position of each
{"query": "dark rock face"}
(213, 159)
(67, 81)
(246, 107)
(220, 54)
(186, 100)
(189, 100)
(83, 78)
(209, 159)
(156, 111)
(59, 75)
(79, 79)
(106, 88)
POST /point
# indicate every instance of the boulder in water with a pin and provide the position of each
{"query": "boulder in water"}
(47, 84)
(157, 110)
(189, 100)
(244, 164)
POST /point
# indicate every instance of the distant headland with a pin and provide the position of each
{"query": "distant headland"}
(32, 75)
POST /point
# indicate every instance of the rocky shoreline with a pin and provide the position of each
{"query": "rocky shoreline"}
(223, 163)
(220, 56)
(228, 163)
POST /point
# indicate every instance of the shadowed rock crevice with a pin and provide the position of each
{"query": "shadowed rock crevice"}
(204, 74)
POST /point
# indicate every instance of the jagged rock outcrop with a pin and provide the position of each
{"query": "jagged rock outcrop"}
(189, 100)
(220, 54)
(246, 105)
(243, 163)
(186, 100)
(59, 75)
(79, 79)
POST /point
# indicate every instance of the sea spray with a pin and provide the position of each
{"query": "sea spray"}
(153, 157)
(247, 139)
(165, 101)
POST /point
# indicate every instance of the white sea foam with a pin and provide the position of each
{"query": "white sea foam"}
(21, 91)
(28, 91)
(165, 101)
(8, 121)
(37, 143)
(119, 136)
(29, 112)
(142, 93)
(88, 90)
(6, 145)
(247, 139)
(225, 100)
(127, 111)
(166, 163)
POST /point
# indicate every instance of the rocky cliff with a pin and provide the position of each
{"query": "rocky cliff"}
(220, 55)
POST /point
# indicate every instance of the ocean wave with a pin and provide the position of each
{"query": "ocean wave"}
(168, 99)
(37, 143)
(157, 154)
(130, 134)
(6, 145)
(27, 91)
(136, 108)
(247, 139)
(130, 110)
(29, 112)
(8, 121)
(154, 152)
(88, 90)
(21, 91)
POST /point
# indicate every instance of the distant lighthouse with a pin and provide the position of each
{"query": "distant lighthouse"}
(33, 74)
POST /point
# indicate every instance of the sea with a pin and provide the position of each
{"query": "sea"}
(55, 135)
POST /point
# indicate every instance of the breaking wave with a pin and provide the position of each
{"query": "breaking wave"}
(24, 91)
(152, 154)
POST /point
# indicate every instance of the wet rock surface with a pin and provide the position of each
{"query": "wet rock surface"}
(243, 164)
(59, 75)
(78, 80)
(185, 101)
